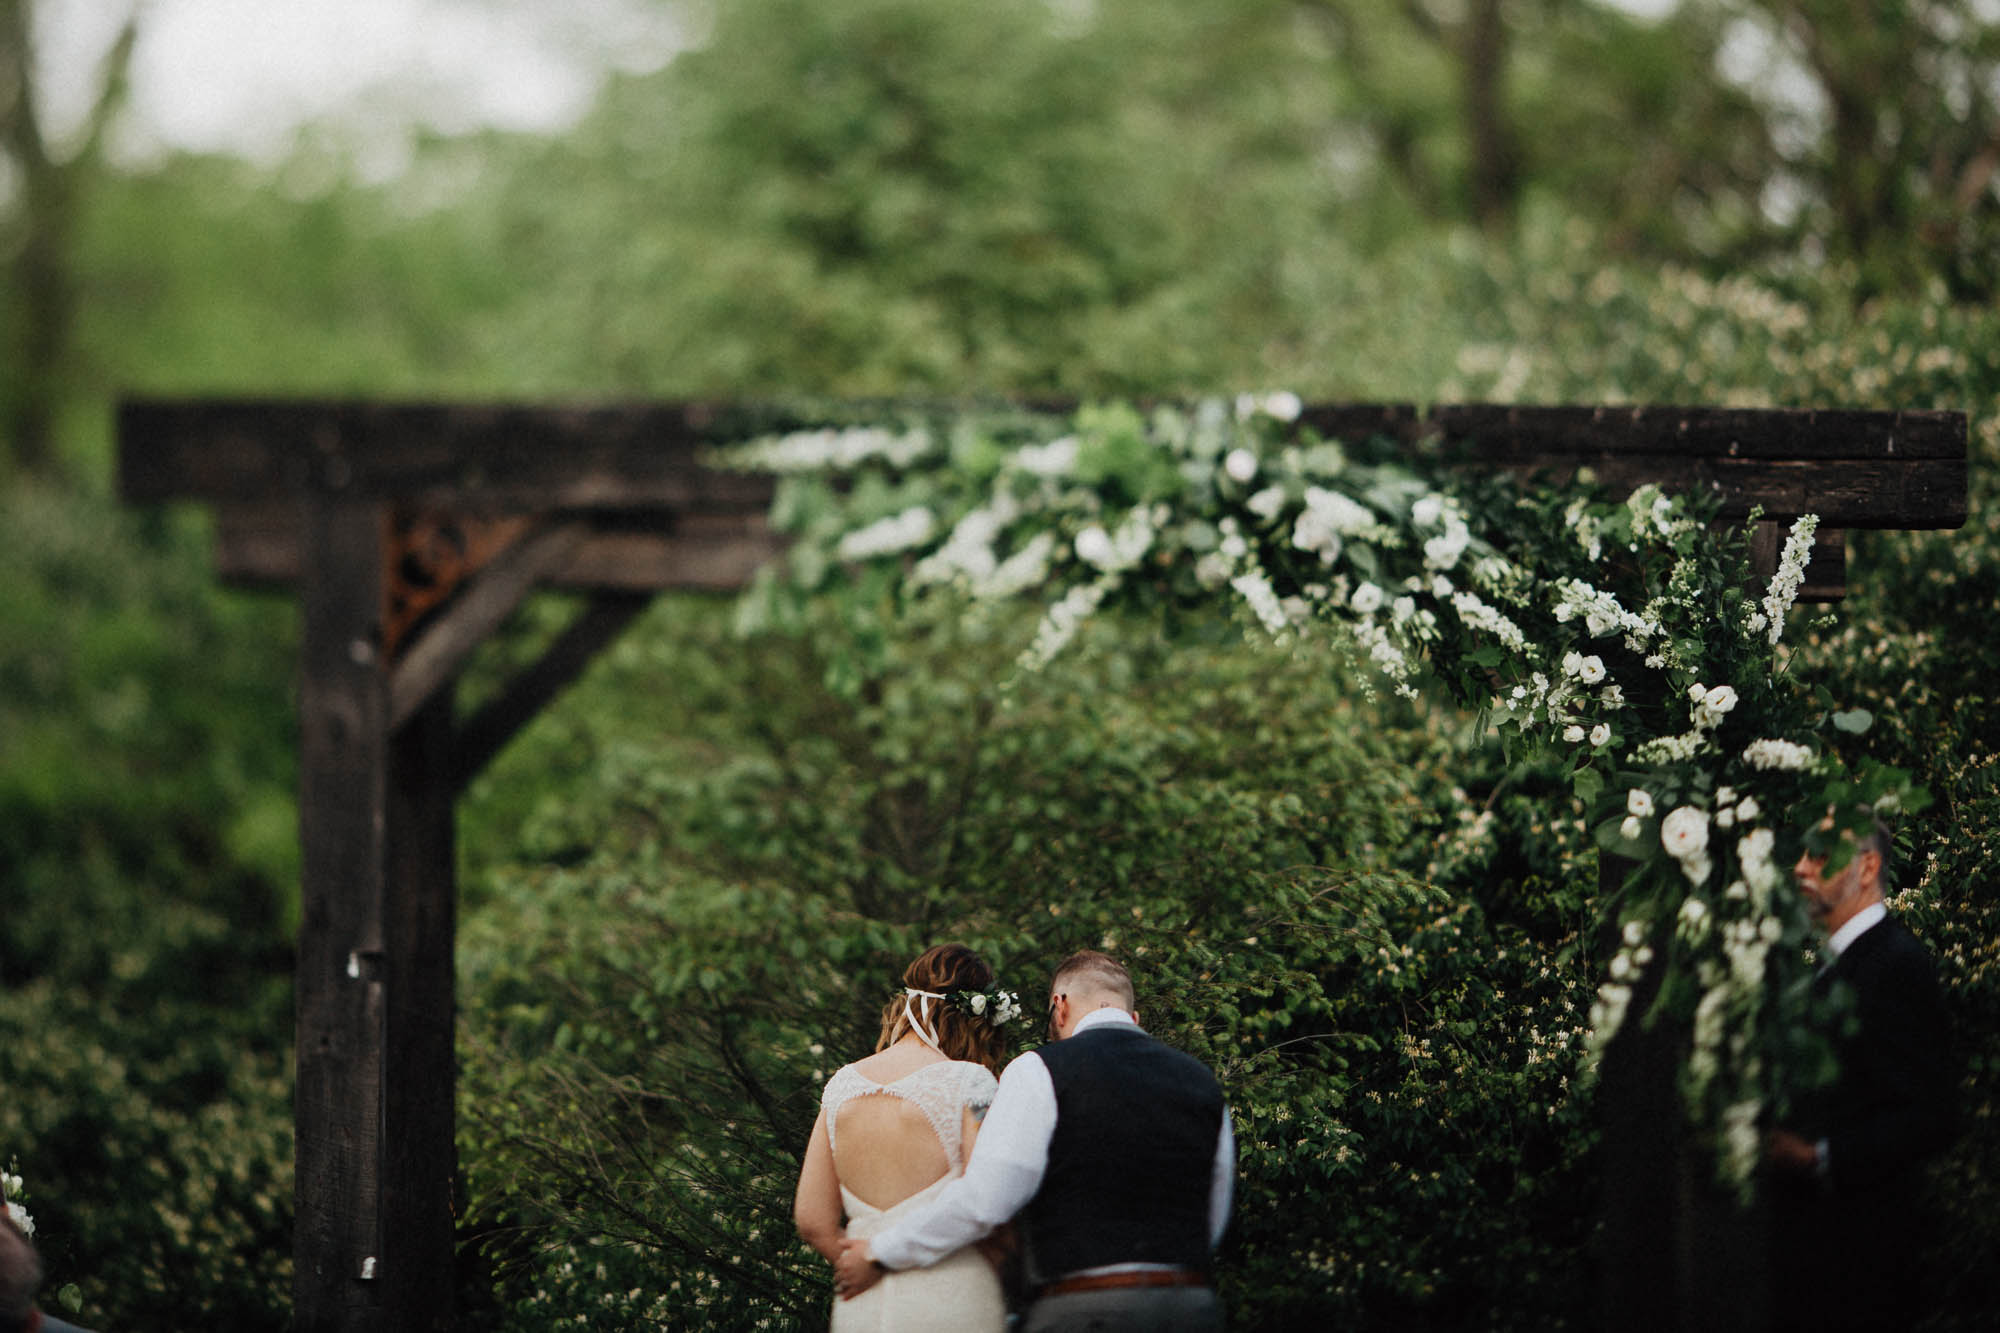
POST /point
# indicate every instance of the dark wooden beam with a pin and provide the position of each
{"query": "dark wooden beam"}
(1712, 432)
(487, 731)
(1902, 470)
(258, 545)
(448, 639)
(1856, 469)
(507, 458)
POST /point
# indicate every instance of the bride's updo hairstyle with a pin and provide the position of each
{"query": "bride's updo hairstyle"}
(945, 969)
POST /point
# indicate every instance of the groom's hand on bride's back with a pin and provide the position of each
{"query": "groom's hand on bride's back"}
(854, 1271)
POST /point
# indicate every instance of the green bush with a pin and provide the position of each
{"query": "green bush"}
(646, 1028)
(145, 831)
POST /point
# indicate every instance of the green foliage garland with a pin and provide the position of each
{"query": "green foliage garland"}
(1612, 641)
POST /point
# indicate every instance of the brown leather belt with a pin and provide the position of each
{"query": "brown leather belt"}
(1138, 1277)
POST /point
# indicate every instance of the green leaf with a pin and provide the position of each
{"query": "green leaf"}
(1854, 721)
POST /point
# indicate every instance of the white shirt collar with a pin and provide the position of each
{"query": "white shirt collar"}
(1101, 1017)
(1855, 927)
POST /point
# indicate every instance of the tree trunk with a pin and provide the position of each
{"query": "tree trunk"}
(38, 340)
(1496, 160)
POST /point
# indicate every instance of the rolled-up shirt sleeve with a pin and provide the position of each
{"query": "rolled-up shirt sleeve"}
(1008, 1162)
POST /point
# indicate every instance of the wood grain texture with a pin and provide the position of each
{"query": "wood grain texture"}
(341, 1000)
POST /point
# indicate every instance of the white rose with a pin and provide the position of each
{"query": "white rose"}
(978, 1003)
(1639, 801)
(1634, 931)
(1725, 817)
(1093, 547)
(1725, 795)
(1630, 828)
(1719, 700)
(1443, 552)
(1241, 465)
(21, 1218)
(1284, 405)
(1613, 697)
(1697, 867)
(1684, 832)
(1426, 511)
(1591, 670)
(1600, 734)
(1749, 809)
(1697, 692)
(1367, 599)
(1268, 503)
(1404, 607)
(1572, 733)
(1572, 663)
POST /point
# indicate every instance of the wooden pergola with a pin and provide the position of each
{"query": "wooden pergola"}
(410, 532)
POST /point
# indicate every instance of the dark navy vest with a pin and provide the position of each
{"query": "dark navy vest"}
(1131, 1158)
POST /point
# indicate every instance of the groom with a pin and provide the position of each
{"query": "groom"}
(1117, 1154)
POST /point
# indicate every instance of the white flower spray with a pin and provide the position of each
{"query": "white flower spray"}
(1784, 589)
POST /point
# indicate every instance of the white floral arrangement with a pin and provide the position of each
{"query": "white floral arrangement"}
(10, 1187)
(1585, 630)
(996, 1006)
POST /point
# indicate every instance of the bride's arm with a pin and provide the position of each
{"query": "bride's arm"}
(816, 1207)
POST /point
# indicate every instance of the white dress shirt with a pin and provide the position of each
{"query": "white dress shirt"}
(1854, 928)
(1008, 1162)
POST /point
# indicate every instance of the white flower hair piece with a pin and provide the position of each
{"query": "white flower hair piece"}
(998, 1007)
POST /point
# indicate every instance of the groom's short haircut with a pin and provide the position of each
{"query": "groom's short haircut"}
(20, 1276)
(1091, 970)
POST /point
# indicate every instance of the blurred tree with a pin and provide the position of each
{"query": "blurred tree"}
(42, 193)
(1473, 38)
(1888, 121)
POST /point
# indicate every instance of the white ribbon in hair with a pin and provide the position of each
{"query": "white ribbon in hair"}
(921, 1025)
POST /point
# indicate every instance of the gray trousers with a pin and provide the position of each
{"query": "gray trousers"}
(1128, 1310)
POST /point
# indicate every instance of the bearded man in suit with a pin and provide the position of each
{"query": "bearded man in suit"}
(1847, 1177)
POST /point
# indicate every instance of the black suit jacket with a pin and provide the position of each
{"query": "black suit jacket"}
(1888, 1111)
(1890, 1108)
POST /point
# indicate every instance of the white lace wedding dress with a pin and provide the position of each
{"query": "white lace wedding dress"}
(960, 1292)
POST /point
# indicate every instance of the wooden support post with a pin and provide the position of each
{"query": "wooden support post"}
(1677, 1252)
(343, 769)
(419, 1105)
(374, 1100)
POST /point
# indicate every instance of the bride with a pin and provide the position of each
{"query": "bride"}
(894, 1127)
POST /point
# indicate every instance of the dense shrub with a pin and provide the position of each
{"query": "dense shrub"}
(647, 1028)
(145, 830)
